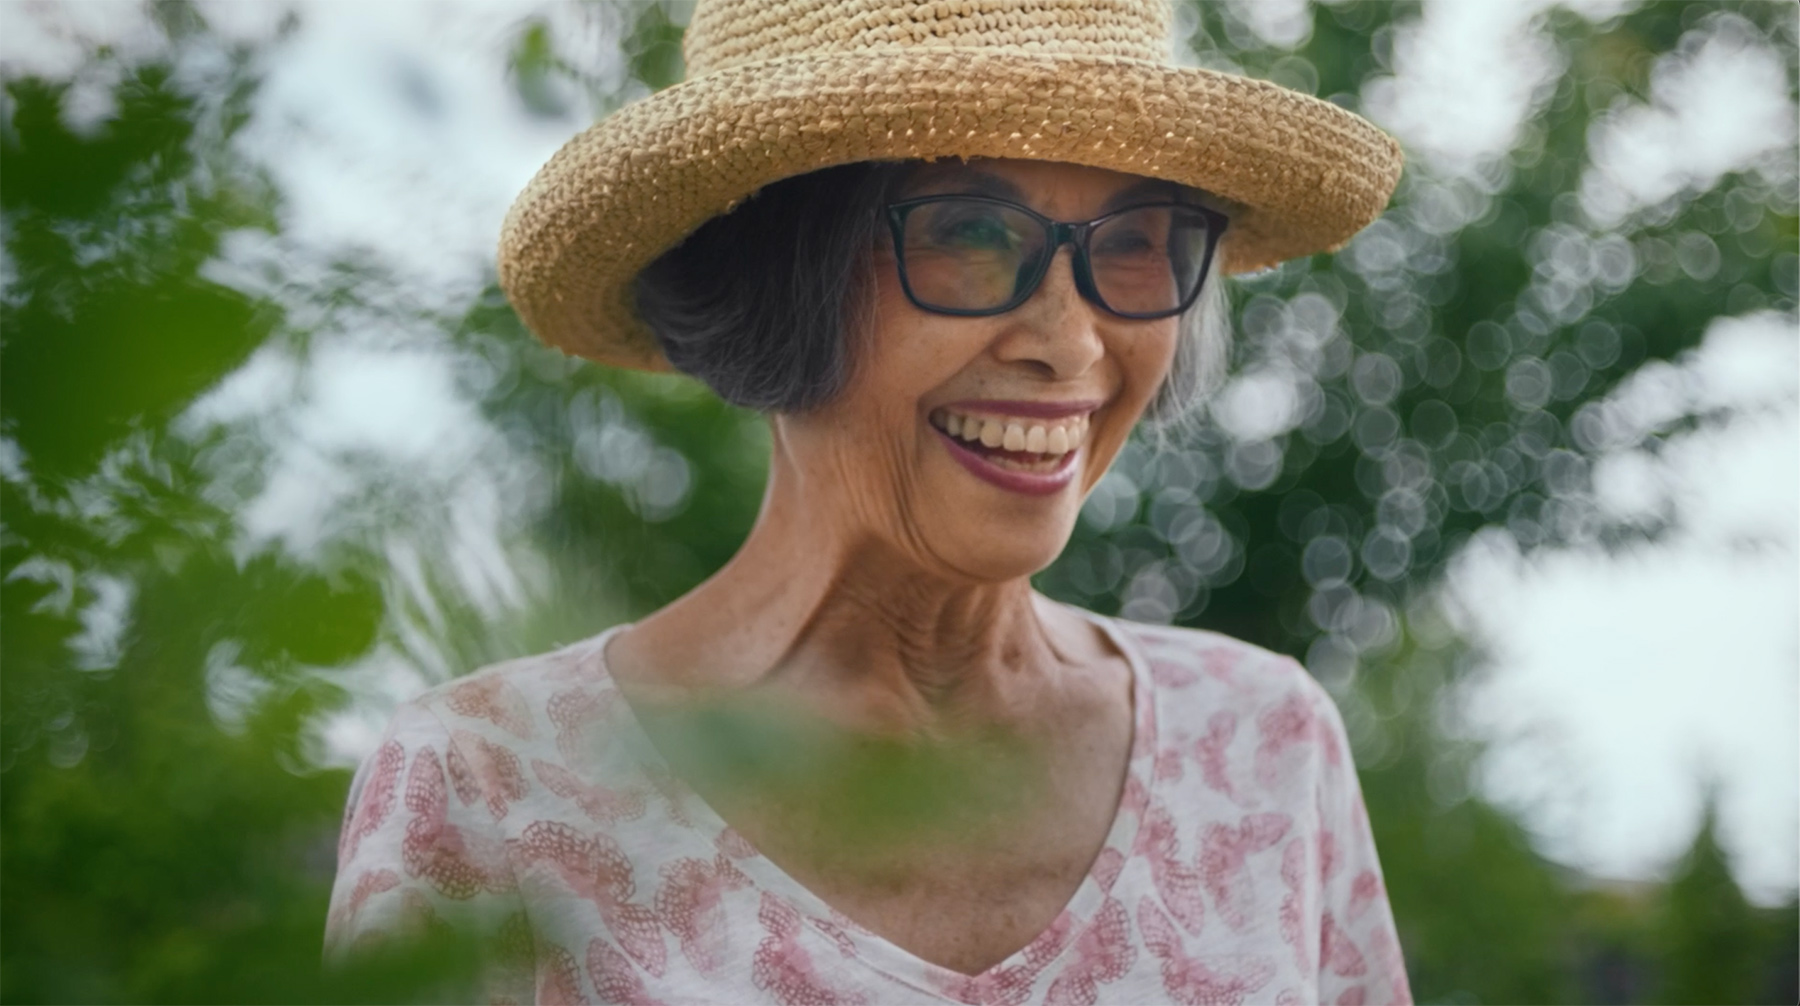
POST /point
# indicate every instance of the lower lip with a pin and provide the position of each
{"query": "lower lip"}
(1025, 483)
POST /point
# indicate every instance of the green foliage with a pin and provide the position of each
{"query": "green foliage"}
(1481, 915)
(862, 797)
(168, 830)
(1715, 946)
(654, 47)
(109, 232)
(149, 854)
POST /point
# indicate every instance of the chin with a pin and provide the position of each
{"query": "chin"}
(988, 555)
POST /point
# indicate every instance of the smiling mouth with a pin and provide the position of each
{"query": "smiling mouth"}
(1031, 446)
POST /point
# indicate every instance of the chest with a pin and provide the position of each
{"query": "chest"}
(969, 887)
(960, 911)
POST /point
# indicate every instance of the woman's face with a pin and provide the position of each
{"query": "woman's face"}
(969, 443)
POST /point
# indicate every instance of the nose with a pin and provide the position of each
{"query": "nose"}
(1056, 331)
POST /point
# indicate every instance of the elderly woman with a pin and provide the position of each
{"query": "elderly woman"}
(955, 251)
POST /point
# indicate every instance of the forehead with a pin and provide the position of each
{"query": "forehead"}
(1040, 184)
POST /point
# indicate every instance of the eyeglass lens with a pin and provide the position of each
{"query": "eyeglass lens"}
(975, 255)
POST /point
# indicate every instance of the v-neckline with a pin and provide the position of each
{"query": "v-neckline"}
(1042, 952)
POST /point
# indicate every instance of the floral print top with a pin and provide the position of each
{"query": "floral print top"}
(525, 803)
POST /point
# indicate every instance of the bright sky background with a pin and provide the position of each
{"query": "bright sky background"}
(1620, 682)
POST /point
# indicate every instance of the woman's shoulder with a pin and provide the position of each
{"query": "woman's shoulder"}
(1210, 667)
(531, 698)
(1231, 702)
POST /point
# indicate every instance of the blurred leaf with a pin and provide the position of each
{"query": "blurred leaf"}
(654, 47)
(93, 349)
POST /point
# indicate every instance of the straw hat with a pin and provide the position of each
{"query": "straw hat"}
(777, 88)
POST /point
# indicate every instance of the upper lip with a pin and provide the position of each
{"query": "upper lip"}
(1025, 409)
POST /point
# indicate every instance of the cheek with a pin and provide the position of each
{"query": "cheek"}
(904, 353)
(1143, 357)
(868, 434)
(1146, 360)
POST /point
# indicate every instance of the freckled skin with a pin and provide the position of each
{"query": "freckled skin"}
(885, 589)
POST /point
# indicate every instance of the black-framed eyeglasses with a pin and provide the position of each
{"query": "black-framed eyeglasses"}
(973, 256)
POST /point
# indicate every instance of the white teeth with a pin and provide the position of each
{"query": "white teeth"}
(1015, 436)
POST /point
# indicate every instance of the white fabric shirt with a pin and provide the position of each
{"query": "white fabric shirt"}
(524, 802)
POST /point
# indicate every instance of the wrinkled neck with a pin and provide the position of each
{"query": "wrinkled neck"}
(909, 641)
(915, 649)
(829, 598)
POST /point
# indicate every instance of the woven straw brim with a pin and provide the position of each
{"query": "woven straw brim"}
(1306, 173)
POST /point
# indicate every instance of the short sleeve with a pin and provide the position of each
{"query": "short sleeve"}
(1359, 951)
(415, 864)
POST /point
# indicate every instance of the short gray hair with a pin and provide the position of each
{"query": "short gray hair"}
(762, 303)
(1201, 348)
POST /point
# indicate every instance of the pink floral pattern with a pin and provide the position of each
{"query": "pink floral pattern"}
(1224, 981)
(1293, 724)
(783, 967)
(1293, 903)
(579, 717)
(494, 699)
(1011, 984)
(1365, 891)
(595, 868)
(490, 774)
(559, 979)
(602, 805)
(457, 862)
(1103, 953)
(1225, 862)
(1177, 883)
(1213, 752)
(377, 799)
(371, 883)
(615, 979)
(1337, 952)
(690, 903)
(523, 804)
